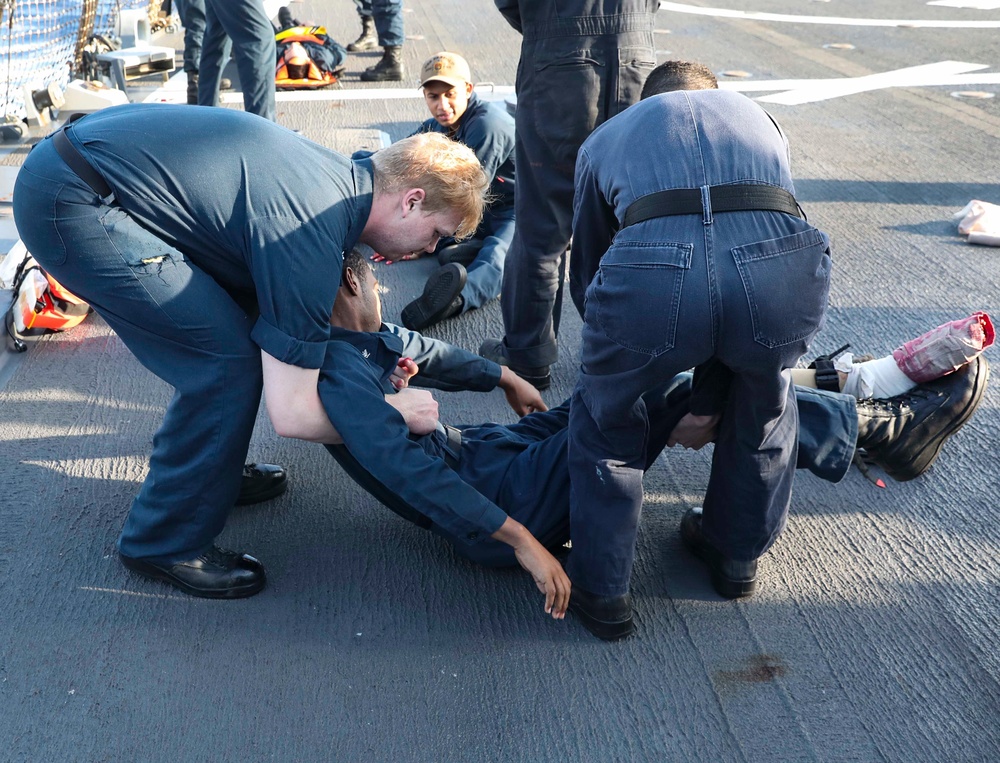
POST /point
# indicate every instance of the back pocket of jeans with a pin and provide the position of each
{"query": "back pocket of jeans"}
(787, 283)
(636, 294)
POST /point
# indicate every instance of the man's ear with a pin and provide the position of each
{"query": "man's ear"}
(412, 200)
(351, 282)
(469, 87)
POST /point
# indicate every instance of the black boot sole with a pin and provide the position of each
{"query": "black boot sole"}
(392, 75)
(440, 291)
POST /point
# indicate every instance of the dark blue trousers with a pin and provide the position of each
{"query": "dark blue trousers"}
(192, 14)
(252, 35)
(577, 69)
(748, 289)
(524, 467)
(388, 15)
(485, 273)
(181, 325)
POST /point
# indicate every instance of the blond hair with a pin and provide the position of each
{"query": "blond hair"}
(447, 171)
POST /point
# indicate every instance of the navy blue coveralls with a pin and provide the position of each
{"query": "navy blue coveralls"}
(224, 235)
(521, 468)
(582, 62)
(746, 288)
(489, 131)
(245, 22)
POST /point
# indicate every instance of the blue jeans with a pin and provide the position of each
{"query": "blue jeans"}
(388, 16)
(252, 35)
(181, 325)
(746, 288)
(485, 273)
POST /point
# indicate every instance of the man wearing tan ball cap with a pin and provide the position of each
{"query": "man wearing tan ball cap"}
(471, 271)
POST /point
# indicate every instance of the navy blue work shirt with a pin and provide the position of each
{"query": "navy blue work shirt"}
(353, 383)
(264, 211)
(489, 131)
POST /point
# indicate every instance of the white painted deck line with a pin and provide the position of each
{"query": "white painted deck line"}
(832, 20)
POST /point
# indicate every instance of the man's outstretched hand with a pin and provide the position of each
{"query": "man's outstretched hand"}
(521, 396)
(411, 256)
(694, 432)
(545, 569)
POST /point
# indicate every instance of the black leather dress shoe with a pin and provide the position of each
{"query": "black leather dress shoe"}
(607, 617)
(216, 574)
(261, 482)
(731, 578)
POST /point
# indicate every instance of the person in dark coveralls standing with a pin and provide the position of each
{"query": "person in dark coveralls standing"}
(220, 273)
(582, 62)
(688, 247)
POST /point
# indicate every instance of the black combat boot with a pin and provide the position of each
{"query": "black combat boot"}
(388, 69)
(192, 95)
(731, 578)
(368, 39)
(904, 434)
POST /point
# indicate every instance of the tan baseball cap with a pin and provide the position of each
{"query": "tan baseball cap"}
(449, 68)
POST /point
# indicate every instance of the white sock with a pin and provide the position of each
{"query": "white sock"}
(874, 378)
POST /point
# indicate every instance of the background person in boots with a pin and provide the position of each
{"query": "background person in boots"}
(471, 271)
(245, 22)
(192, 15)
(381, 24)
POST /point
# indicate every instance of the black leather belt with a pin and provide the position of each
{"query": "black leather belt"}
(74, 159)
(453, 447)
(739, 197)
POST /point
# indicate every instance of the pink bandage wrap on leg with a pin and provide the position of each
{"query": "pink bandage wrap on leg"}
(945, 349)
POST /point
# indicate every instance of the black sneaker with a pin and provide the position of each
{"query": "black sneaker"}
(494, 349)
(731, 578)
(442, 298)
(904, 434)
